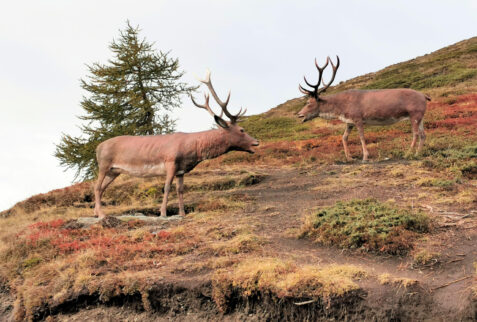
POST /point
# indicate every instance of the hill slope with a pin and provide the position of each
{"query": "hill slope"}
(446, 74)
(264, 236)
(448, 71)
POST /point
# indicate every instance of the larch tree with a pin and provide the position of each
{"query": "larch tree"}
(130, 95)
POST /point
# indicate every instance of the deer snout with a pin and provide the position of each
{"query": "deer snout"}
(252, 144)
(302, 116)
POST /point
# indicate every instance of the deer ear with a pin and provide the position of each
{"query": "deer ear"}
(221, 122)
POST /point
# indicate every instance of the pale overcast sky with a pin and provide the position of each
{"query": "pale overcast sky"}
(259, 49)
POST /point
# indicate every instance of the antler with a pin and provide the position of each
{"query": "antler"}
(314, 93)
(335, 68)
(317, 91)
(223, 105)
(205, 105)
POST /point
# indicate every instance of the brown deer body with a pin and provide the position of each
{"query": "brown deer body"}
(361, 107)
(172, 155)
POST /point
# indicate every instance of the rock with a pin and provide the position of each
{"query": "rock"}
(115, 221)
(111, 222)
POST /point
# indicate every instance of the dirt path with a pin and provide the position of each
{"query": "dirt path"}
(286, 196)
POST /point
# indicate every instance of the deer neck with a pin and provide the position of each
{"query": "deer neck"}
(212, 144)
(330, 108)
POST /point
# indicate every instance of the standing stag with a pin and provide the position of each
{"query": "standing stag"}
(360, 107)
(173, 154)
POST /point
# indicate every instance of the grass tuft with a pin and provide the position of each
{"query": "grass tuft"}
(255, 276)
(425, 257)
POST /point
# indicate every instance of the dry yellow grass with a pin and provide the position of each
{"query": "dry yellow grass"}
(425, 257)
(284, 279)
(122, 261)
(397, 281)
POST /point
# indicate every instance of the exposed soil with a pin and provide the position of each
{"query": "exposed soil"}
(289, 195)
(279, 204)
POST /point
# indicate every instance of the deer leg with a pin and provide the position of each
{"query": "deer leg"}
(167, 187)
(180, 192)
(98, 193)
(360, 128)
(415, 130)
(422, 136)
(107, 179)
(349, 127)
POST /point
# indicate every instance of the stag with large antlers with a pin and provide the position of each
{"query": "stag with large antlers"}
(360, 107)
(172, 155)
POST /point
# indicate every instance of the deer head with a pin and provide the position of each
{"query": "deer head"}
(236, 135)
(312, 108)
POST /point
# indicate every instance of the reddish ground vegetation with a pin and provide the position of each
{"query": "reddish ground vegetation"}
(115, 244)
(461, 113)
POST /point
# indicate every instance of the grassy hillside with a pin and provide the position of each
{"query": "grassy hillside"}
(448, 72)
(449, 75)
(270, 234)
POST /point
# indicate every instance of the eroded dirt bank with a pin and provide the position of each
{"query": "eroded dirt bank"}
(191, 301)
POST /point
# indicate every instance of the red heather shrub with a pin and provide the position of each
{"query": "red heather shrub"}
(47, 225)
(112, 244)
(164, 235)
(68, 246)
(41, 231)
(461, 113)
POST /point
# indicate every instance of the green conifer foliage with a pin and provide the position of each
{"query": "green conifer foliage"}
(130, 95)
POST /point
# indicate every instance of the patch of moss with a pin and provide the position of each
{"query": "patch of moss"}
(366, 224)
(440, 183)
(31, 262)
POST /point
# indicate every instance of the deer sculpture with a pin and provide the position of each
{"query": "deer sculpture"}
(360, 107)
(172, 155)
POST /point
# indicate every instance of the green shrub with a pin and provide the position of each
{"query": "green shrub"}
(367, 224)
(440, 183)
(469, 170)
(457, 159)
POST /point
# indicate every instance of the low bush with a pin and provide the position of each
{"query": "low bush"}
(366, 224)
